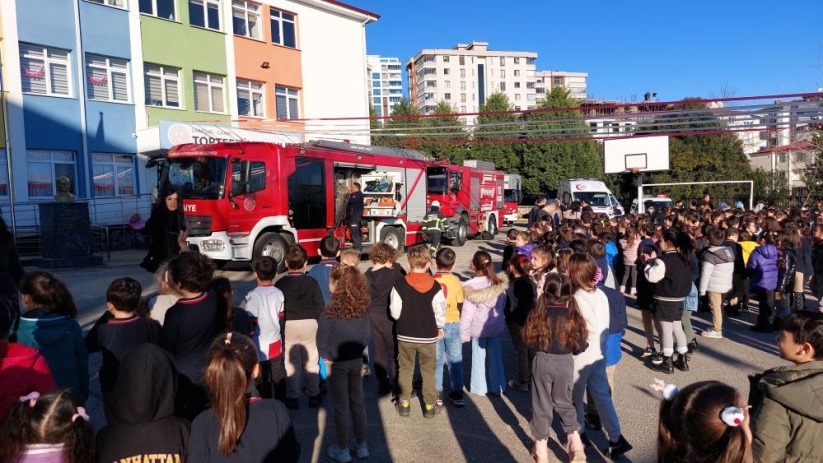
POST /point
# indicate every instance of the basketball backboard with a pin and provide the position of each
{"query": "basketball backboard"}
(645, 154)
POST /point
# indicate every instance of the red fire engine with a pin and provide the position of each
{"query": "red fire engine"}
(244, 200)
(470, 196)
(512, 195)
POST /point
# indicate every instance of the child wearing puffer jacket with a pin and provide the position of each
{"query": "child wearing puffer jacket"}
(482, 321)
(762, 269)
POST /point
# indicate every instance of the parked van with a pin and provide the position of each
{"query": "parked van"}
(594, 191)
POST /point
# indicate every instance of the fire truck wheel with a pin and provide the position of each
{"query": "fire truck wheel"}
(393, 237)
(272, 245)
(462, 233)
(491, 229)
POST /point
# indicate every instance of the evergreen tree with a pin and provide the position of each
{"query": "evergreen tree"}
(445, 138)
(548, 163)
(399, 131)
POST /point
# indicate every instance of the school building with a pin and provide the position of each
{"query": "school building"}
(93, 87)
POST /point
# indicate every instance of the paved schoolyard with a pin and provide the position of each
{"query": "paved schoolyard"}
(487, 429)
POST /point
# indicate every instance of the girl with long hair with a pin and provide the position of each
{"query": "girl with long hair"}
(705, 422)
(629, 245)
(482, 322)
(52, 427)
(555, 330)
(562, 260)
(672, 275)
(239, 426)
(49, 325)
(167, 228)
(342, 334)
(590, 364)
(522, 294)
(541, 262)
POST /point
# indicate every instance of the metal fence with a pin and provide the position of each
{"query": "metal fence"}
(109, 219)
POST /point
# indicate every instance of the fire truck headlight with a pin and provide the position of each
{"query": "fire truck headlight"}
(212, 245)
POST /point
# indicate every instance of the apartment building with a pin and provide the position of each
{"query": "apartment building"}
(385, 83)
(574, 82)
(465, 75)
(94, 86)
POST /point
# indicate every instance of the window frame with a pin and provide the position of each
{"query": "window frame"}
(113, 164)
(247, 85)
(52, 172)
(280, 21)
(46, 68)
(287, 94)
(163, 81)
(122, 68)
(175, 13)
(4, 177)
(236, 5)
(204, 5)
(112, 3)
(209, 86)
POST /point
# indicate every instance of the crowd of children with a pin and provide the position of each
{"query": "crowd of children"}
(208, 381)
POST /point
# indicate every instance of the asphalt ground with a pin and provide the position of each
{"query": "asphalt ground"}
(487, 429)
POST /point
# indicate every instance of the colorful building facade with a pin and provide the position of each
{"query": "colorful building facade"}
(92, 85)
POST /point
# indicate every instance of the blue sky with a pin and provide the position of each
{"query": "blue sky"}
(678, 49)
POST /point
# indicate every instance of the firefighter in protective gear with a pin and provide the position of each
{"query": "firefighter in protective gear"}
(433, 226)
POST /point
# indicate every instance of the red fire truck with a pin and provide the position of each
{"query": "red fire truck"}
(512, 195)
(470, 196)
(244, 200)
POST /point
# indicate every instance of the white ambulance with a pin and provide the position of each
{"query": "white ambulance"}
(600, 198)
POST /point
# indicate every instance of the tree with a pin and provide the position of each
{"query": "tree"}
(490, 128)
(545, 164)
(447, 134)
(400, 131)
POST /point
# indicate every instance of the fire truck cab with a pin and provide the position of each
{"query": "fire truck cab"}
(512, 196)
(243, 200)
(470, 196)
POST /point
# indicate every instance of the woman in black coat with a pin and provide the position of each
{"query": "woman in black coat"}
(167, 229)
(11, 274)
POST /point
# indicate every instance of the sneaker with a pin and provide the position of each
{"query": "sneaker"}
(315, 400)
(622, 289)
(338, 454)
(439, 398)
(362, 450)
(712, 333)
(457, 399)
(649, 352)
(292, 404)
(619, 448)
(518, 386)
(657, 358)
(432, 410)
(403, 408)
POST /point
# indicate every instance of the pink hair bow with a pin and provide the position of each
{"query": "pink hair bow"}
(81, 413)
(598, 276)
(31, 398)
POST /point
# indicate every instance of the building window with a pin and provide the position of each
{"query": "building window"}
(558, 81)
(45, 71)
(446, 71)
(502, 61)
(283, 29)
(250, 98)
(462, 85)
(516, 97)
(517, 72)
(205, 13)
(431, 83)
(463, 109)
(517, 85)
(208, 93)
(462, 73)
(448, 84)
(246, 18)
(115, 3)
(445, 58)
(502, 86)
(162, 86)
(43, 169)
(516, 61)
(108, 78)
(160, 8)
(447, 96)
(463, 98)
(113, 174)
(462, 60)
(502, 74)
(288, 102)
(529, 84)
